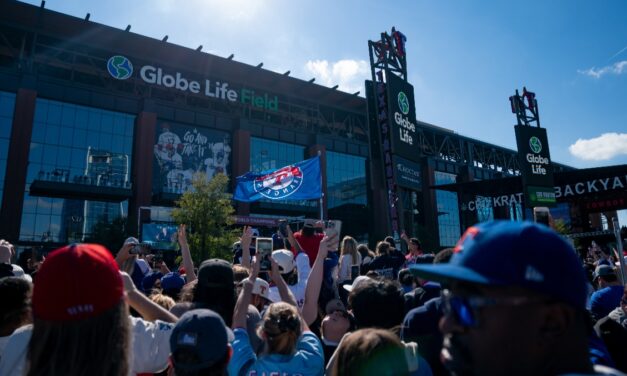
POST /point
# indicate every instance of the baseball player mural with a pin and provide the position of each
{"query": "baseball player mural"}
(181, 151)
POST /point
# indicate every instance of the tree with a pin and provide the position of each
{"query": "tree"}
(111, 234)
(207, 211)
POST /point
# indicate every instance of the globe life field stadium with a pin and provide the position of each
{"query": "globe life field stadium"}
(98, 123)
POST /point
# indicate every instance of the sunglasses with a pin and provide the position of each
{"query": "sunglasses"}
(464, 308)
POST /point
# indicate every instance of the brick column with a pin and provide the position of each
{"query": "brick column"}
(312, 152)
(241, 165)
(17, 164)
(145, 133)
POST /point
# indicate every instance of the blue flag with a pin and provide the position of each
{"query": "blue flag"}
(300, 181)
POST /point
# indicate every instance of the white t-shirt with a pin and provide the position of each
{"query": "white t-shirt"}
(150, 344)
(302, 263)
(346, 262)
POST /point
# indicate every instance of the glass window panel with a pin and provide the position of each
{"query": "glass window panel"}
(93, 123)
(5, 126)
(106, 123)
(79, 158)
(80, 138)
(65, 136)
(39, 133)
(28, 225)
(36, 152)
(52, 134)
(68, 117)
(30, 204)
(7, 105)
(54, 114)
(93, 139)
(129, 128)
(81, 119)
(41, 110)
(42, 223)
(105, 142)
(447, 210)
(64, 157)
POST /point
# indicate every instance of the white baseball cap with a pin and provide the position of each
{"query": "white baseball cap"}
(262, 288)
(359, 280)
(285, 259)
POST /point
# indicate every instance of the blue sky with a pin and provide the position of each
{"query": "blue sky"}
(465, 58)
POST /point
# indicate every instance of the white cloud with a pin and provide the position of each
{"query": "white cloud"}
(616, 69)
(604, 147)
(348, 74)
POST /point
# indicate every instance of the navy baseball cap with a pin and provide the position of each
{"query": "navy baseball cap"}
(507, 253)
(203, 333)
(172, 281)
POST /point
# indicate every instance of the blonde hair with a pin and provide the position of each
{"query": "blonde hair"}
(349, 247)
(281, 328)
(163, 300)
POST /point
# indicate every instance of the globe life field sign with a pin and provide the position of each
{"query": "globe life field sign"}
(402, 115)
(121, 68)
(535, 165)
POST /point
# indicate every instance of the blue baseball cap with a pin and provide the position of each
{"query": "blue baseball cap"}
(148, 282)
(203, 333)
(507, 253)
(172, 281)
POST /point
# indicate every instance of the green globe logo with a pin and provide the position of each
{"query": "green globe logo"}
(403, 103)
(119, 67)
(535, 144)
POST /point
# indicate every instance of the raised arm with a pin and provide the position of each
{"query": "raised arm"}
(247, 236)
(149, 310)
(243, 300)
(188, 263)
(314, 283)
(292, 240)
(284, 291)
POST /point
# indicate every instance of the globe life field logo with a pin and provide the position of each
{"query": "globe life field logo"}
(406, 128)
(535, 144)
(538, 163)
(403, 103)
(119, 67)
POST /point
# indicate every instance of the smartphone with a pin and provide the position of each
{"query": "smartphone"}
(264, 251)
(333, 227)
(541, 214)
(283, 227)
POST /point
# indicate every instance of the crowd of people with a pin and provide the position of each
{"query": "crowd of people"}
(510, 298)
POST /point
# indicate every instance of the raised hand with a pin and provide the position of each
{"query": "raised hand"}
(182, 235)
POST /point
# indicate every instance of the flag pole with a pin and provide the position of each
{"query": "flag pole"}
(321, 201)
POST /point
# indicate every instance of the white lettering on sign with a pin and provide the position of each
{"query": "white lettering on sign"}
(591, 186)
(494, 202)
(406, 126)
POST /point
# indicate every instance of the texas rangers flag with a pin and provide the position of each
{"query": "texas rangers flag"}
(300, 181)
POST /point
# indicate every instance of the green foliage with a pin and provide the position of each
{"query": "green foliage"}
(111, 234)
(208, 213)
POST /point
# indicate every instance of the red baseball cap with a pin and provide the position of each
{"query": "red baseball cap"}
(76, 282)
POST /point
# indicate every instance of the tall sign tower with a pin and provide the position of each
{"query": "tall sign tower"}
(392, 119)
(533, 151)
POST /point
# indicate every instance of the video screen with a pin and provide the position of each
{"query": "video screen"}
(160, 236)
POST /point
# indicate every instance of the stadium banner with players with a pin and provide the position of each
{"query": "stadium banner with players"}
(300, 181)
(180, 151)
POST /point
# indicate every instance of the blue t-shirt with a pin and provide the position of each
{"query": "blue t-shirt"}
(605, 300)
(307, 360)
